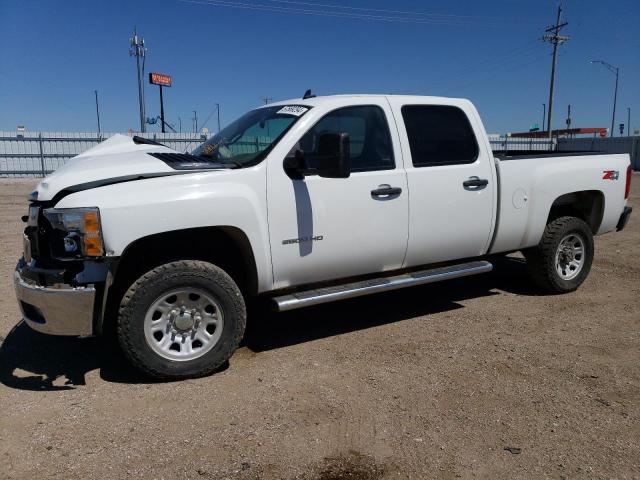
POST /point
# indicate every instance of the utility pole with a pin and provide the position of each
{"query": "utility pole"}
(568, 116)
(553, 37)
(544, 115)
(97, 111)
(628, 121)
(266, 100)
(195, 121)
(138, 50)
(616, 72)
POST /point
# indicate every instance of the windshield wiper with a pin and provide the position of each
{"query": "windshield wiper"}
(235, 164)
(229, 164)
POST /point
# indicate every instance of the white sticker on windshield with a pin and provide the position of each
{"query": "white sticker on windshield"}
(296, 110)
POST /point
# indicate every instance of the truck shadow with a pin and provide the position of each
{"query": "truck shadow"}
(37, 362)
(33, 361)
(269, 330)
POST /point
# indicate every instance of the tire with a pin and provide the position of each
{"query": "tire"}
(183, 319)
(560, 240)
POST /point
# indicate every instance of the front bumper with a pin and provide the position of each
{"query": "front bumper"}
(624, 218)
(56, 310)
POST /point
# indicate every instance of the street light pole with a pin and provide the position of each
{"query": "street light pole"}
(97, 111)
(628, 121)
(615, 100)
(218, 108)
(544, 114)
(616, 72)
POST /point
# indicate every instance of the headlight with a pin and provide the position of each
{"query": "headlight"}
(80, 230)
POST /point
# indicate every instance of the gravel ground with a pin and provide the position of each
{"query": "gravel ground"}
(481, 377)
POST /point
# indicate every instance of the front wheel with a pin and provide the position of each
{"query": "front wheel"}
(562, 260)
(182, 319)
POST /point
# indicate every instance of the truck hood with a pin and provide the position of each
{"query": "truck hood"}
(115, 160)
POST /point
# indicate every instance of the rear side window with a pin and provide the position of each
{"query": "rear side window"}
(439, 135)
(370, 140)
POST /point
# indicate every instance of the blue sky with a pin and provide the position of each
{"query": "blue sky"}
(55, 53)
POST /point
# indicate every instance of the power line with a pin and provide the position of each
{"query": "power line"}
(342, 14)
(479, 66)
(334, 13)
(382, 10)
(511, 66)
(488, 64)
(553, 37)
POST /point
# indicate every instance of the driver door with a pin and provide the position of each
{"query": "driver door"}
(329, 228)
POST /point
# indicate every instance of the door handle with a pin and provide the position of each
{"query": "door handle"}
(475, 183)
(386, 191)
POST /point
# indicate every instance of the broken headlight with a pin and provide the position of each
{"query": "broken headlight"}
(78, 231)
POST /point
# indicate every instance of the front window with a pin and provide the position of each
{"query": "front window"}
(369, 138)
(247, 141)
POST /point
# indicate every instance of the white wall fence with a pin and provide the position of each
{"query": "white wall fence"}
(503, 143)
(40, 153)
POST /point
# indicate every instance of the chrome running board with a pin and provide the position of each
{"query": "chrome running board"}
(384, 284)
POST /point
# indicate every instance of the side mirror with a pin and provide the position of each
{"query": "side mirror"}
(295, 166)
(332, 159)
(334, 155)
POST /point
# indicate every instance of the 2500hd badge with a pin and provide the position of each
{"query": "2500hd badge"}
(291, 241)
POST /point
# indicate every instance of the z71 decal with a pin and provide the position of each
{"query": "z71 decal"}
(611, 175)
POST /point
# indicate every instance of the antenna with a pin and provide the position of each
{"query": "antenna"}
(308, 94)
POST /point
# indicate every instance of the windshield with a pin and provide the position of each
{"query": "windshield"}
(247, 141)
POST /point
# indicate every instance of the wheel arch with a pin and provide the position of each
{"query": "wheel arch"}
(228, 247)
(588, 205)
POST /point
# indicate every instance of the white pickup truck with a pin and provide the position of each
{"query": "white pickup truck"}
(305, 201)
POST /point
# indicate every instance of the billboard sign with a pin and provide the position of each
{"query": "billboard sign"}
(161, 79)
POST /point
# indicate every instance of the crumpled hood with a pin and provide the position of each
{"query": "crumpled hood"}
(116, 157)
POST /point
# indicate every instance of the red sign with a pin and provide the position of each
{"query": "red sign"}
(160, 79)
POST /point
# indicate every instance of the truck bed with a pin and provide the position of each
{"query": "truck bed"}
(528, 189)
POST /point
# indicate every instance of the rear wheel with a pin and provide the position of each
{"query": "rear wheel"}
(182, 319)
(562, 260)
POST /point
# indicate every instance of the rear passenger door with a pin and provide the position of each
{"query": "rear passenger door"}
(450, 180)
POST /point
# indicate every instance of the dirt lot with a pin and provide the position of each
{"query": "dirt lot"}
(431, 382)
